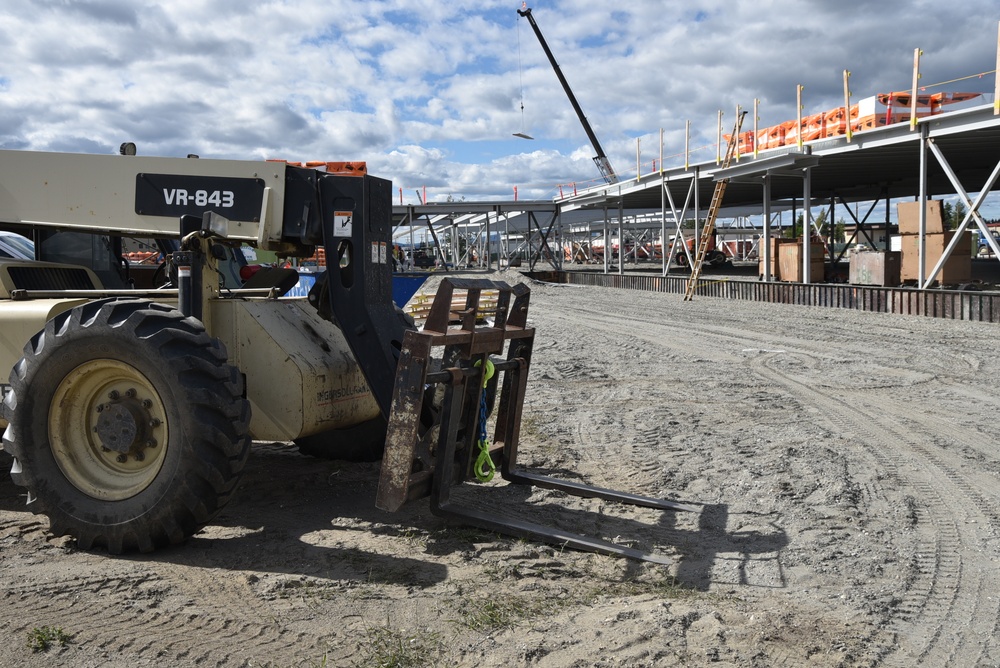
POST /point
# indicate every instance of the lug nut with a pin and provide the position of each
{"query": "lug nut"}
(130, 392)
(139, 456)
(155, 422)
(100, 407)
(147, 404)
(113, 395)
(121, 459)
(150, 442)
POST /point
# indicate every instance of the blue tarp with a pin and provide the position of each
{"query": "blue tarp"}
(404, 286)
(302, 288)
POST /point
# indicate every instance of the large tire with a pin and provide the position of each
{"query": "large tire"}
(717, 258)
(128, 427)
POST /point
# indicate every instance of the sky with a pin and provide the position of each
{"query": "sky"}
(430, 93)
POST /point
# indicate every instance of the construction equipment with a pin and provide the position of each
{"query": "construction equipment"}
(129, 412)
(708, 231)
(713, 256)
(601, 160)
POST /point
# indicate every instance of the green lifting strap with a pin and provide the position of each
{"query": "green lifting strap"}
(484, 467)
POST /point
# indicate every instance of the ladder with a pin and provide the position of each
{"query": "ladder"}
(713, 212)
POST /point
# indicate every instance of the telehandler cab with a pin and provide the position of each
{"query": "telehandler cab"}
(130, 410)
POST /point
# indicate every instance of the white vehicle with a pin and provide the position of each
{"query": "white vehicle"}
(15, 246)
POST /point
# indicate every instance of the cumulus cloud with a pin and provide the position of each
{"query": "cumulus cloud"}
(429, 92)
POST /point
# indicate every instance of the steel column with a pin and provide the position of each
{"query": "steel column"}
(765, 248)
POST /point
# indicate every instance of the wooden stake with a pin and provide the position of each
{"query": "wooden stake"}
(847, 105)
(913, 94)
(996, 79)
(798, 100)
(756, 118)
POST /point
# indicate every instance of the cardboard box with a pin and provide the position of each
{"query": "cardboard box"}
(958, 268)
(790, 262)
(875, 268)
(908, 214)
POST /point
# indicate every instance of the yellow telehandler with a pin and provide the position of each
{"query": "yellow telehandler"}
(132, 401)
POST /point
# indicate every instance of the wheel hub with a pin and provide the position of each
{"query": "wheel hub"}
(123, 440)
(118, 425)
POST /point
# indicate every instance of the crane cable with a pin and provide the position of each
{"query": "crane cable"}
(520, 79)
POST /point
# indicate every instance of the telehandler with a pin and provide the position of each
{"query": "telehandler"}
(130, 410)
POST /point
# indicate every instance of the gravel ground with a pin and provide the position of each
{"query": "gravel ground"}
(843, 467)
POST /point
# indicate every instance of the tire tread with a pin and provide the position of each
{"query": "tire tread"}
(217, 435)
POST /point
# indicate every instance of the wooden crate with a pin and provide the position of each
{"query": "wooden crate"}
(908, 214)
(958, 268)
(875, 268)
(776, 243)
(790, 262)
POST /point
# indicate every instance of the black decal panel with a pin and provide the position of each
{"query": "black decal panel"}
(174, 195)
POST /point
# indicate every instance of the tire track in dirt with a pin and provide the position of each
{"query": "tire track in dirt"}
(955, 354)
(113, 626)
(946, 593)
(147, 607)
(951, 586)
(620, 400)
(30, 528)
(619, 394)
(151, 617)
(234, 614)
(649, 367)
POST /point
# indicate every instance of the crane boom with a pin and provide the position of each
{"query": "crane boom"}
(603, 164)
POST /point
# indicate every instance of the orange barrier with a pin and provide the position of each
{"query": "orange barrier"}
(142, 257)
(833, 122)
(358, 168)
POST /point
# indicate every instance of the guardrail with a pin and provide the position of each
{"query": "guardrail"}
(950, 304)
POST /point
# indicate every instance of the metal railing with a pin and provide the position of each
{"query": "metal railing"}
(973, 306)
